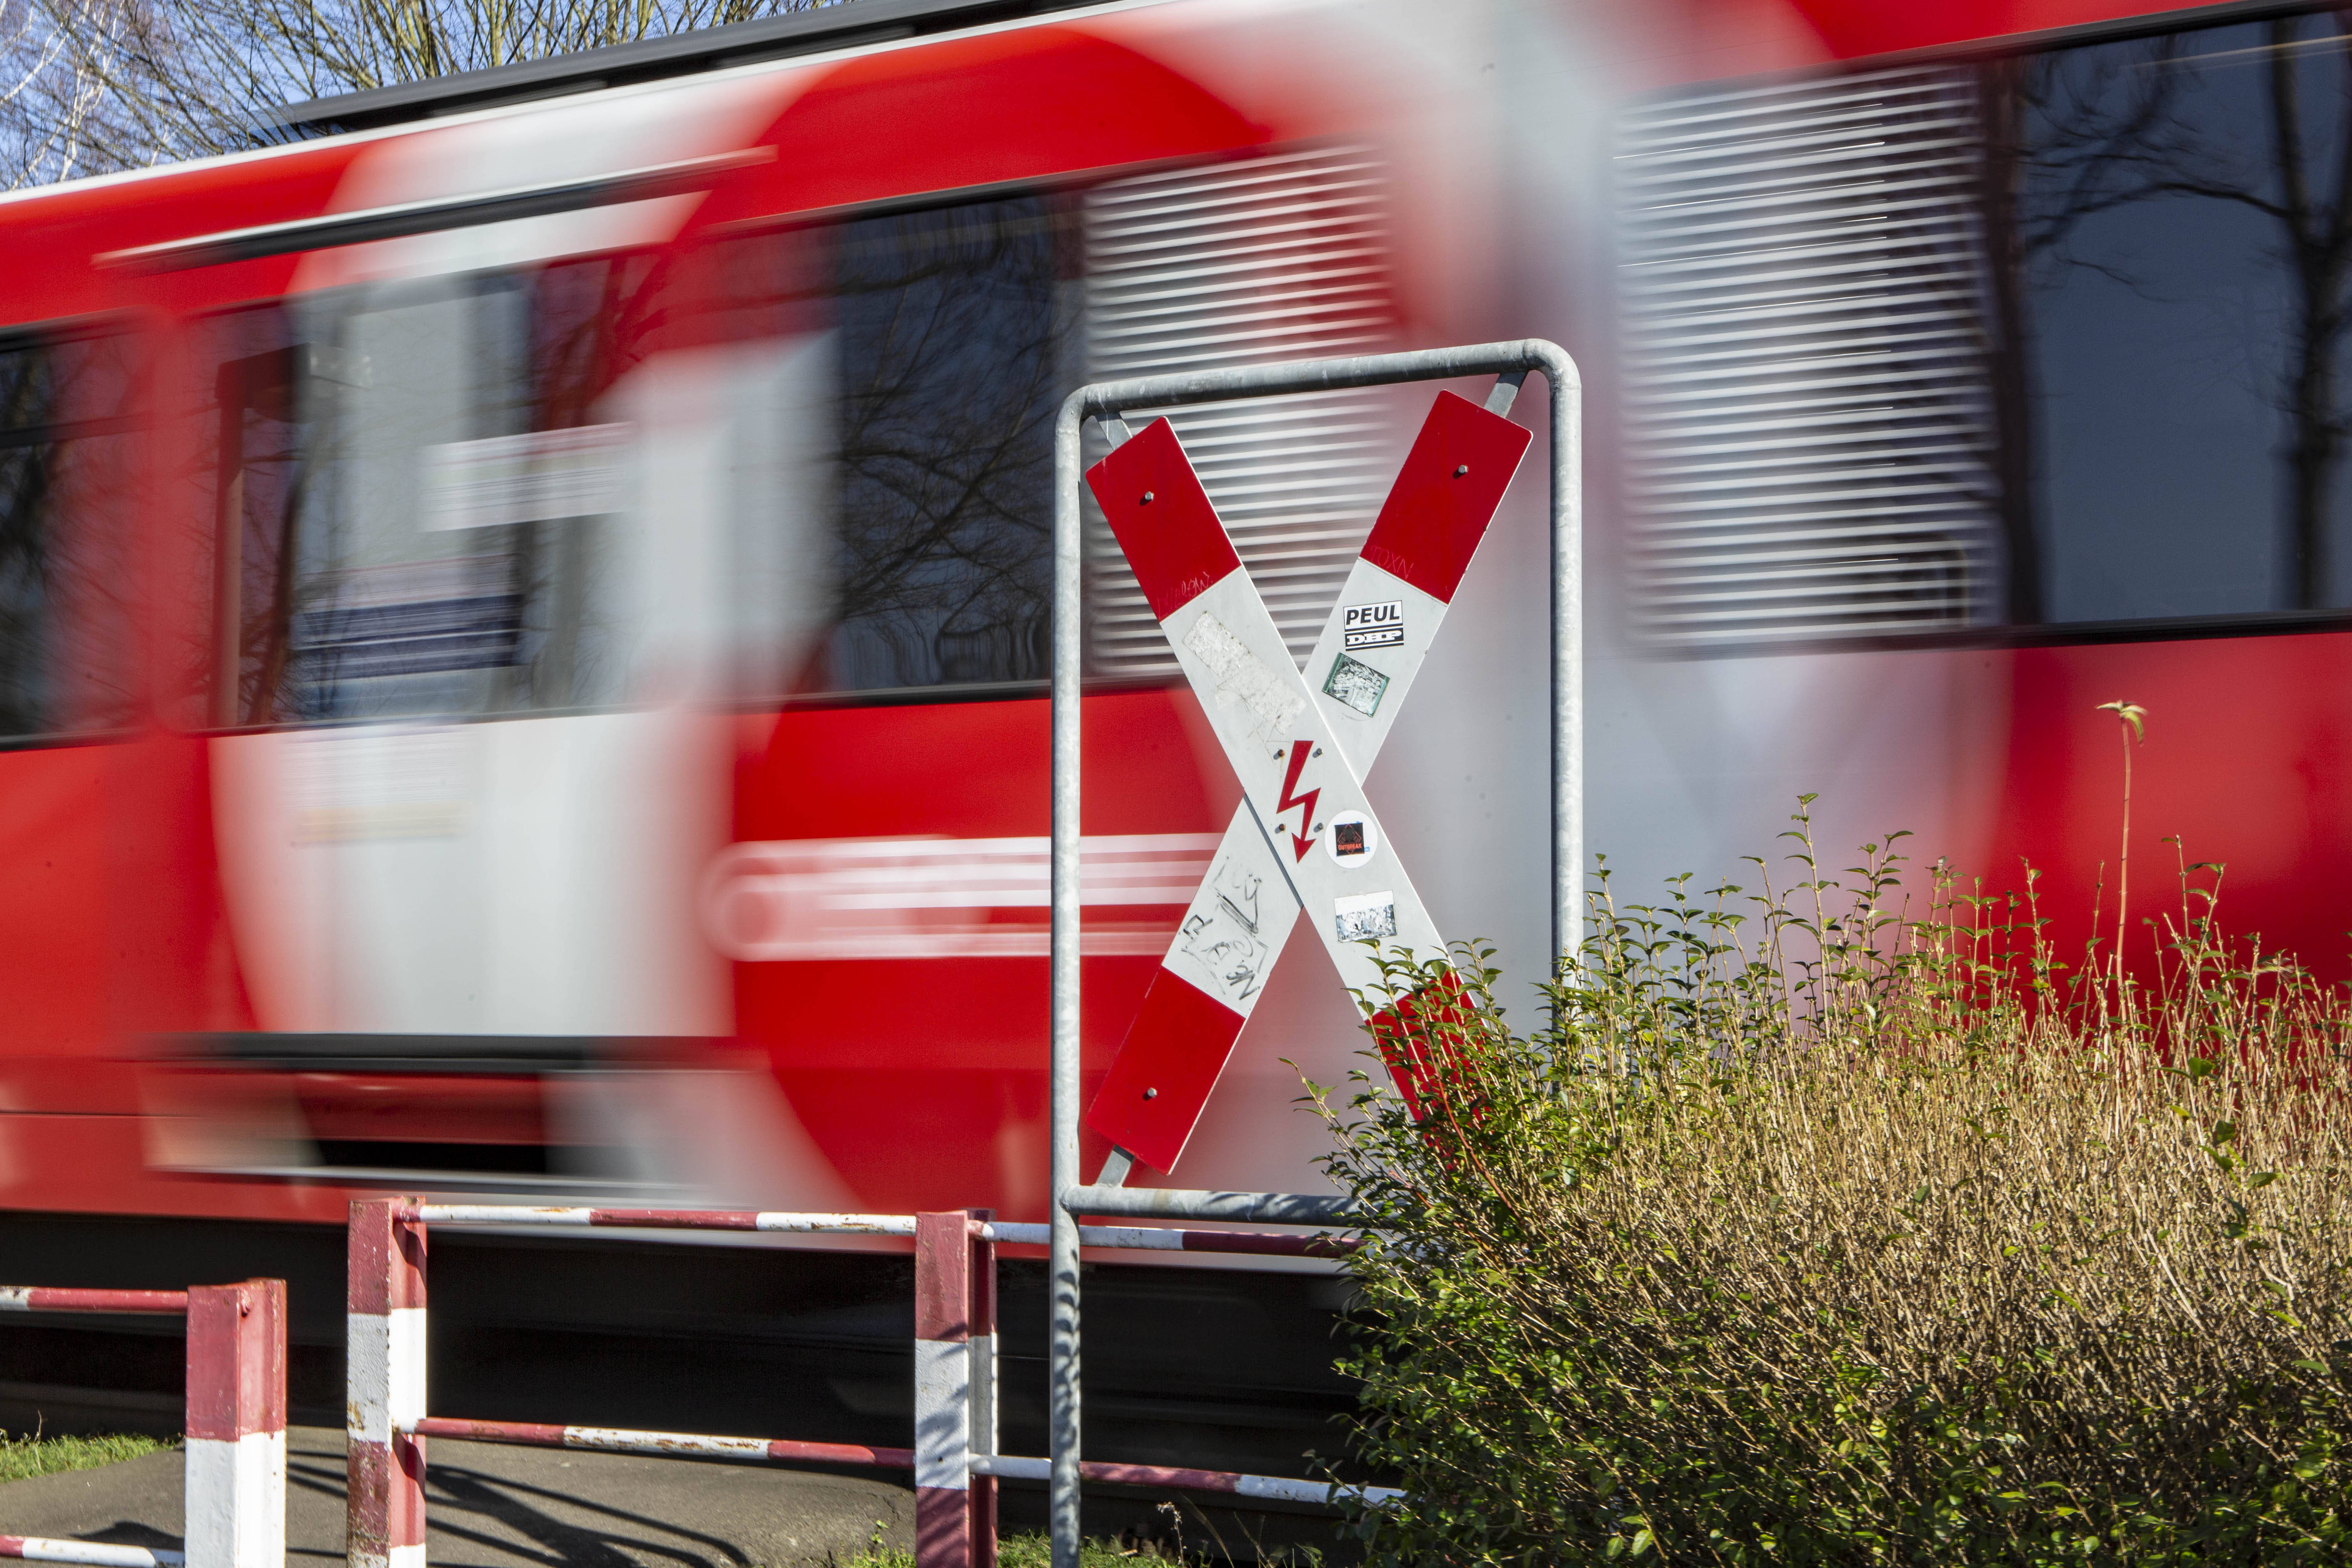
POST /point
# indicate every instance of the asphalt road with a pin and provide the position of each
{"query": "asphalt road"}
(490, 1506)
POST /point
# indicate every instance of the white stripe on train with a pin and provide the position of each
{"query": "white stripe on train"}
(782, 900)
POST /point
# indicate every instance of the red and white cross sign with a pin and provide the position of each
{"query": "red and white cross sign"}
(1304, 837)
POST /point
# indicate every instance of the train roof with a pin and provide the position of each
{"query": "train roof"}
(842, 25)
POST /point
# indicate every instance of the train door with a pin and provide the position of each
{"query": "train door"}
(467, 599)
(70, 458)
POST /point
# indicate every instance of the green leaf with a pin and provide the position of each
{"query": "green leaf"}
(2131, 713)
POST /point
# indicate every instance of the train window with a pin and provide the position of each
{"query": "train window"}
(893, 390)
(2052, 340)
(67, 464)
(418, 492)
(954, 328)
(2180, 209)
(951, 335)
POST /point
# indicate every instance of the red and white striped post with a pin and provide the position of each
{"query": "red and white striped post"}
(385, 1380)
(982, 1495)
(236, 1424)
(955, 1337)
(236, 1498)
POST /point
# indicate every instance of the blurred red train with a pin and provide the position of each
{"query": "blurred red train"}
(522, 624)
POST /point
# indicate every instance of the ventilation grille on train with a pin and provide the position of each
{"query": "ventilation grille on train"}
(1809, 412)
(1276, 257)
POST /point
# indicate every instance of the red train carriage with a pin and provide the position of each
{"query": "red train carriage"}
(522, 624)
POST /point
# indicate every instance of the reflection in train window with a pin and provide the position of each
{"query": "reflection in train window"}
(893, 392)
(67, 463)
(2182, 229)
(417, 500)
(954, 330)
(894, 381)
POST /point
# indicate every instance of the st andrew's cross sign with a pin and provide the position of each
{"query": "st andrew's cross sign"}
(1305, 837)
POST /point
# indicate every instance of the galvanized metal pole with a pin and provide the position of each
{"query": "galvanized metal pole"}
(1567, 390)
(1107, 400)
(1062, 1414)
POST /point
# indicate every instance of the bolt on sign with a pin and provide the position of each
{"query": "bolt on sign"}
(1305, 837)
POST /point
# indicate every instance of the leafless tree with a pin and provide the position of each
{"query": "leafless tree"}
(46, 93)
(95, 85)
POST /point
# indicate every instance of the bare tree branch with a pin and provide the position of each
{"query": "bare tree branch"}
(88, 86)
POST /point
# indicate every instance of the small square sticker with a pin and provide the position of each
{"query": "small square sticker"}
(1356, 684)
(1365, 916)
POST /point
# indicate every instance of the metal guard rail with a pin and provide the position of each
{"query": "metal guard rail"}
(954, 1458)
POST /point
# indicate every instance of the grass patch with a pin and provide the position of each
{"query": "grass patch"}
(21, 1458)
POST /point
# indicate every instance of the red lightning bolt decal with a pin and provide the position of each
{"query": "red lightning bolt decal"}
(1306, 803)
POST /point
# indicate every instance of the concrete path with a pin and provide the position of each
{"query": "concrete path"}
(490, 1506)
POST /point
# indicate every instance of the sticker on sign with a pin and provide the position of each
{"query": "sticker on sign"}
(1373, 625)
(1357, 685)
(1364, 917)
(1352, 840)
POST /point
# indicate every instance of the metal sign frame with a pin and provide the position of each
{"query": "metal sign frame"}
(1105, 401)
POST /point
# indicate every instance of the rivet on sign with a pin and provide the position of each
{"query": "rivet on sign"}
(1458, 473)
(1151, 1094)
(1146, 498)
(1318, 751)
(1316, 828)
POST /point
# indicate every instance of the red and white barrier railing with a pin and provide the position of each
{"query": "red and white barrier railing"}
(684, 1444)
(100, 1554)
(1161, 1238)
(673, 1219)
(954, 1458)
(1149, 1238)
(44, 1299)
(236, 1424)
(1268, 1488)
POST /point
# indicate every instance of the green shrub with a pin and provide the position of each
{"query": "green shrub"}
(1805, 1232)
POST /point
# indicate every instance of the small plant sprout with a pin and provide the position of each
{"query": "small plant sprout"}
(2131, 719)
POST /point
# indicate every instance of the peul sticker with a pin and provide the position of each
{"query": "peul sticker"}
(1372, 626)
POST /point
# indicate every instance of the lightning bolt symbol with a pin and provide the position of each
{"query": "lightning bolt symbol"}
(1306, 803)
